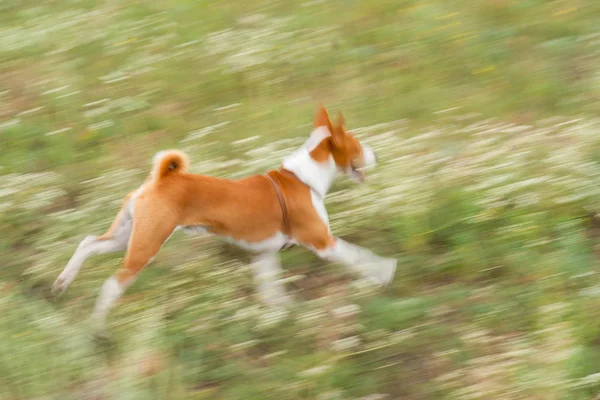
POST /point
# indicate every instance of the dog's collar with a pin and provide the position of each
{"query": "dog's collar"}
(287, 227)
(281, 198)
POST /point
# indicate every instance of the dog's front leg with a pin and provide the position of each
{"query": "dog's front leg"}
(360, 260)
(267, 269)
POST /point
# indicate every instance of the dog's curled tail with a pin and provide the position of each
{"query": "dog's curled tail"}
(169, 162)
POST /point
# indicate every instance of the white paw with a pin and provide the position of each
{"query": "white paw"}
(275, 298)
(284, 301)
(97, 328)
(62, 283)
(388, 271)
(277, 301)
(72, 269)
(382, 271)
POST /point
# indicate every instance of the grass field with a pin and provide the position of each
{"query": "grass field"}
(485, 118)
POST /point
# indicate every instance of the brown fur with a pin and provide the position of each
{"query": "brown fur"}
(172, 161)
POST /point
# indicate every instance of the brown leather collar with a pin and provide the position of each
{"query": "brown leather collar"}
(287, 228)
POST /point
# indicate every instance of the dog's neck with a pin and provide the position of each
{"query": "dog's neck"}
(318, 176)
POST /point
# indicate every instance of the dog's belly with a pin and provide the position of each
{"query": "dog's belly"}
(272, 244)
(193, 230)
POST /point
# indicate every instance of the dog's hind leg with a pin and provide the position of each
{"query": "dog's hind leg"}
(152, 226)
(114, 240)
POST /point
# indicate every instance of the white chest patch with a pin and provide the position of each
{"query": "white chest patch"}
(318, 176)
(319, 205)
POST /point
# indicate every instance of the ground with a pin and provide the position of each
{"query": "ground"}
(484, 116)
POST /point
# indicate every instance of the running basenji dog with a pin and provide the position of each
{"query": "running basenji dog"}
(261, 213)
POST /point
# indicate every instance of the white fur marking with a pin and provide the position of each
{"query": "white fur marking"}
(158, 156)
(267, 270)
(131, 204)
(111, 292)
(316, 137)
(272, 244)
(319, 205)
(318, 176)
(193, 230)
(361, 260)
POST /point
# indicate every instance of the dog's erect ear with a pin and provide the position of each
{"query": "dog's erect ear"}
(322, 118)
(338, 132)
(341, 121)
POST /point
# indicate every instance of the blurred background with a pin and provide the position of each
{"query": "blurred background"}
(485, 117)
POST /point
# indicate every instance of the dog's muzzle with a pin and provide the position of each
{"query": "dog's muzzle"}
(369, 156)
(369, 161)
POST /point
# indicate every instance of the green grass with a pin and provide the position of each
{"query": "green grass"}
(484, 115)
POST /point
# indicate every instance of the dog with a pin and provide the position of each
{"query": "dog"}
(261, 213)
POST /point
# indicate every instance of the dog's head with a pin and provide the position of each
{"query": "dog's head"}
(349, 155)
